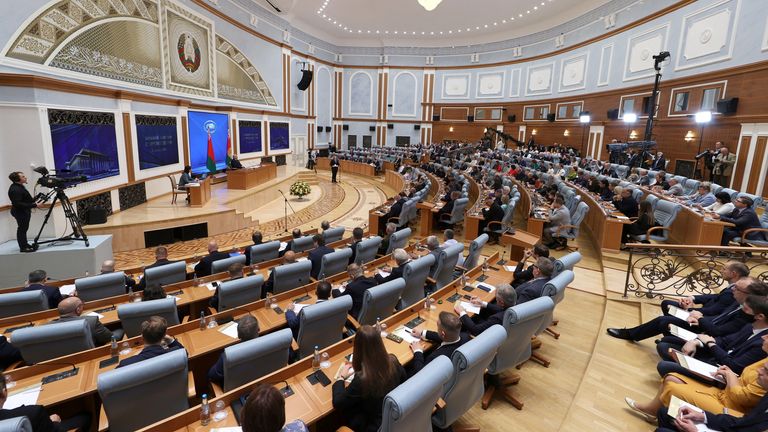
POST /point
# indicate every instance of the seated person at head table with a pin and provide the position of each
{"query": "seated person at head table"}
(433, 245)
(741, 393)
(448, 207)
(660, 181)
(71, 309)
(402, 258)
(356, 287)
(357, 238)
(108, 266)
(156, 341)
(247, 329)
(729, 321)
(316, 256)
(490, 313)
(640, 226)
(522, 274)
(703, 196)
(234, 163)
(203, 268)
(491, 213)
(626, 203)
(36, 281)
(257, 238)
(38, 415)
(376, 373)
(288, 258)
(186, 178)
(264, 411)
(323, 293)
(161, 259)
(723, 204)
(235, 271)
(744, 218)
(606, 191)
(542, 272)
(397, 206)
(447, 338)
(295, 234)
(715, 303)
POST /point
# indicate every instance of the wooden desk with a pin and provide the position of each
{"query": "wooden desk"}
(201, 194)
(606, 228)
(519, 242)
(347, 166)
(534, 225)
(691, 227)
(251, 177)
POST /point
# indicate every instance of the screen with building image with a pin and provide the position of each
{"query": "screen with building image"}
(84, 143)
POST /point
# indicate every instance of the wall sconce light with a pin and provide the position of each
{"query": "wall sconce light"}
(689, 136)
(450, 129)
(566, 133)
(533, 132)
(633, 134)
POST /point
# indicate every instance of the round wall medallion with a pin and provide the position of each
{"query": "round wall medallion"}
(705, 36)
(189, 52)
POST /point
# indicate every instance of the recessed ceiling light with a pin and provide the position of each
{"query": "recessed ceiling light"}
(535, 8)
(459, 30)
(386, 31)
(441, 32)
(503, 21)
(527, 12)
(451, 31)
(486, 26)
(323, 15)
(495, 23)
(377, 32)
(477, 28)
(520, 15)
(395, 31)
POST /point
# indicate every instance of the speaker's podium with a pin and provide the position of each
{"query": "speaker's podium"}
(200, 192)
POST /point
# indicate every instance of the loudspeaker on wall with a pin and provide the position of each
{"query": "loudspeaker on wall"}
(613, 114)
(306, 79)
(727, 106)
(551, 117)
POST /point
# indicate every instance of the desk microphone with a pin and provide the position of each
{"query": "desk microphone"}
(502, 261)
(44, 363)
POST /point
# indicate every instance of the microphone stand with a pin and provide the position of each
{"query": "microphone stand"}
(285, 206)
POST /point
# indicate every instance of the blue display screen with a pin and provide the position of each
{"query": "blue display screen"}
(278, 136)
(200, 124)
(157, 141)
(84, 143)
(250, 136)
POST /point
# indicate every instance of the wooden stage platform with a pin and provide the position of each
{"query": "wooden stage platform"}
(227, 211)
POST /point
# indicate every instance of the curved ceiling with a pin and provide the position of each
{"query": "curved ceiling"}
(407, 23)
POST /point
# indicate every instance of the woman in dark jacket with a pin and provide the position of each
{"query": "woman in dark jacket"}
(376, 373)
(644, 221)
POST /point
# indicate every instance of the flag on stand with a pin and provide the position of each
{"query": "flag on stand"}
(230, 153)
(210, 163)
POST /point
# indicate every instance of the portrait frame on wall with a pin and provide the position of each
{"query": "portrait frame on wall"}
(187, 51)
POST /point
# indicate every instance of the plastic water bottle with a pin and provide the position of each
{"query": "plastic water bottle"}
(113, 351)
(378, 324)
(316, 359)
(205, 411)
(202, 321)
(427, 303)
(268, 301)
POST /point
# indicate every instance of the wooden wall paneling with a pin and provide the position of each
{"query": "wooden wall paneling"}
(454, 114)
(185, 139)
(128, 147)
(741, 158)
(755, 170)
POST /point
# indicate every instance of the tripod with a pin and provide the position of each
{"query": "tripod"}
(286, 205)
(69, 212)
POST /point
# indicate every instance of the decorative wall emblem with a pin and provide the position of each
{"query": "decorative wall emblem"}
(456, 86)
(188, 41)
(540, 79)
(573, 72)
(640, 51)
(707, 35)
(490, 84)
(189, 52)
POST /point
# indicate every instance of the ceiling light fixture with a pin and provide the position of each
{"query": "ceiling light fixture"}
(429, 5)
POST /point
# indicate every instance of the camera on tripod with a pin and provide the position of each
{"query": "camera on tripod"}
(56, 180)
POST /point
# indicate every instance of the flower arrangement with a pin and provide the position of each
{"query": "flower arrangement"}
(300, 189)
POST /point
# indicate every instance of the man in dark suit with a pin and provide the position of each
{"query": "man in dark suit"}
(247, 329)
(316, 255)
(729, 321)
(295, 234)
(756, 420)
(659, 162)
(38, 416)
(490, 313)
(522, 275)
(108, 266)
(627, 204)
(712, 304)
(744, 217)
(397, 207)
(402, 259)
(448, 206)
(22, 204)
(257, 240)
(156, 342)
(323, 293)
(203, 268)
(334, 168)
(36, 281)
(447, 338)
(388, 231)
(357, 238)
(634, 159)
(161, 259)
(235, 272)
(492, 213)
(736, 350)
(542, 271)
(268, 287)
(71, 309)
(356, 287)
(433, 245)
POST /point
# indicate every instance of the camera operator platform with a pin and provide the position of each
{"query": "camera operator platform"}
(57, 186)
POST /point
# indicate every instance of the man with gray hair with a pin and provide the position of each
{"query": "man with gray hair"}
(388, 231)
(356, 287)
(433, 244)
(108, 266)
(203, 268)
(449, 240)
(490, 313)
(71, 309)
(542, 272)
(402, 259)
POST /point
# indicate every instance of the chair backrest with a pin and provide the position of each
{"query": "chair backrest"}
(16, 424)
(265, 252)
(466, 385)
(475, 248)
(100, 286)
(509, 213)
(409, 406)
(398, 239)
(49, 341)
(637, 194)
(457, 213)
(446, 263)
(521, 323)
(757, 200)
(567, 262)
(133, 314)
(730, 192)
(556, 286)
(250, 360)
(241, 291)
(691, 186)
(222, 265)
(666, 212)
(290, 276)
(166, 274)
(333, 234)
(302, 244)
(681, 180)
(415, 275)
(573, 203)
(160, 383)
(334, 262)
(653, 199)
(22, 302)
(715, 188)
(367, 249)
(321, 324)
(576, 219)
(380, 301)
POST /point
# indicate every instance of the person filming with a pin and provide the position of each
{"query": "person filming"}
(22, 204)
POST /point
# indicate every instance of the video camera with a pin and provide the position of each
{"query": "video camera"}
(57, 180)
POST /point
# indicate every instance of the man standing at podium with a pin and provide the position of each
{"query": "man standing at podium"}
(22, 204)
(334, 168)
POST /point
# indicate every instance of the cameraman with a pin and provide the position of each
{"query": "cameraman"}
(22, 204)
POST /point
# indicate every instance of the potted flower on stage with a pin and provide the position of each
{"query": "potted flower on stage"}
(300, 189)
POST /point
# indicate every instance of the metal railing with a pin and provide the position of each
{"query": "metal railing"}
(658, 270)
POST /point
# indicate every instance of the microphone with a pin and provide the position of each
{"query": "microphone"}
(60, 375)
(227, 318)
(502, 261)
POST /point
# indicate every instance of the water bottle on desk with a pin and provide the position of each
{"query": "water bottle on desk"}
(205, 411)
(316, 359)
(202, 321)
(113, 350)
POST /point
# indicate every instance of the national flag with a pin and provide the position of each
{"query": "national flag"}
(211, 162)
(230, 153)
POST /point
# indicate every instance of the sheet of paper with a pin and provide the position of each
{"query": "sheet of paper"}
(338, 373)
(25, 396)
(298, 307)
(469, 307)
(189, 185)
(173, 297)
(302, 259)
(283, 245)
(407, 336)
(98, 315)
(698, 366)
(679, 313)
(210, 287)
(67, 289)
(229, 329)
(676, 403)
(383, 274)
(509, 268)
(682, 333)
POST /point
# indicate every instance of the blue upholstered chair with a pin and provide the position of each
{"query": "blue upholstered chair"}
(100, 286)
(415, 275)
(133, 314)
(571, 232)
(475, 249)
(159, 383)
(446, 264)
(302, 244)
(665, 214)
(380, 301)
(239, 292)
(250, 360)
(166, 274)
(16, 424)
(40, 343)
(567, 262)
(222, 265)
(321, 324)
(333, 234)
(290, 276)
(265, 252)
(334, 262)
(398, 240)
(367, 249)
(457, 212)
(22, 302)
